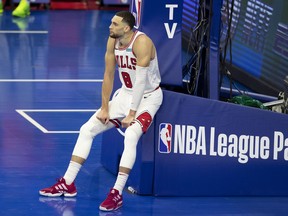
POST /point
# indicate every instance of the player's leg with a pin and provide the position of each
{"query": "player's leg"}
(23, 9)
(65, 186)
(83, 146)
(114, 198)
(144, 117)
(132, 136)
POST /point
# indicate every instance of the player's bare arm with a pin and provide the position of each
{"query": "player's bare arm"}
(144, 52)
(108, 80)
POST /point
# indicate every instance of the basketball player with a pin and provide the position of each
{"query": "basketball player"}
(132, 108)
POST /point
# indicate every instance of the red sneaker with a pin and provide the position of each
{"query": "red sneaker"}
(112, 202)
(59, 189)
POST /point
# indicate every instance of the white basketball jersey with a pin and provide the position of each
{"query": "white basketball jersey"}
(127, 62)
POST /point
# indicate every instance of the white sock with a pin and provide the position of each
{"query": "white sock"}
(120, 182)
(72, 172)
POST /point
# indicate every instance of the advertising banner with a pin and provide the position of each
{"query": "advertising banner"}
(161, 21)
(212, 148)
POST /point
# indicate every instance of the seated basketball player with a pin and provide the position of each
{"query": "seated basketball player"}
(133, 108)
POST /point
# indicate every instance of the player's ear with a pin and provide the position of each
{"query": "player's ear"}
(126, 28)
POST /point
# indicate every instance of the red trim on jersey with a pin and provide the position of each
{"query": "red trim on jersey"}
(133, 44)
(116, 122)
(128, 43)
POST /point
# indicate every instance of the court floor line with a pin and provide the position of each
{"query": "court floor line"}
(24, 114)
(32, 121)
(22, 32)
(51, 80)
(56, 110)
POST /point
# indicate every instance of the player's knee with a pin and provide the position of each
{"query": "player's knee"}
(94, 127)
(129, 135)
(132, 135)
(89, 130)
(85, 130)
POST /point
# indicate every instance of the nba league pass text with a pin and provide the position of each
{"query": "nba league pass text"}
(192, 140)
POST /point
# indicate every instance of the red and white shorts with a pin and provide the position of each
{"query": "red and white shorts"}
(119, 107)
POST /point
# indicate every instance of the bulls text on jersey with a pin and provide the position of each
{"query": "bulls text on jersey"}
(126, 62)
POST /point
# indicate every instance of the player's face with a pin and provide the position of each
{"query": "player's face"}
(117, 27)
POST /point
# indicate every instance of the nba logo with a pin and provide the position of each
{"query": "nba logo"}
(136, 10)
(165, 134)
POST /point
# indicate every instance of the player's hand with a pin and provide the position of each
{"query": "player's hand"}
(126, 122)
(103, 116)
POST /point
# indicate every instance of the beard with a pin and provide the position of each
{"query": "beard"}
(115, 36)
